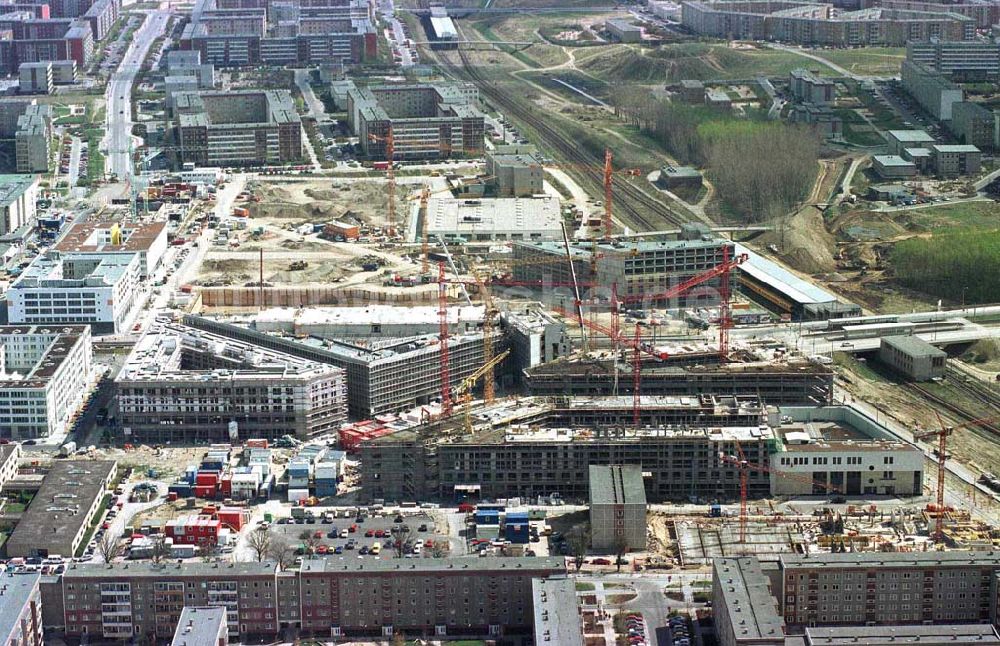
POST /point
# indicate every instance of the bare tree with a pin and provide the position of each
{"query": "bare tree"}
(159, 549)
(578, 540)
(400, 534)
(621, 549)
(109, 547)
(309, 541)
(440, 549)
(259, 540)
(281, 551)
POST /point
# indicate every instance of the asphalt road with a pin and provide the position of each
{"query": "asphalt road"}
(117, 139)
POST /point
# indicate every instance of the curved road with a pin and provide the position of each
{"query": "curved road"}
(117, 138)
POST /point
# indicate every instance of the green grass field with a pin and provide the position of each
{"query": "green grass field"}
(967, 215)
(874, 61)
(672, 63)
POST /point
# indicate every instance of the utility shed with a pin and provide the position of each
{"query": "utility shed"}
(912, 356)
(617, 507)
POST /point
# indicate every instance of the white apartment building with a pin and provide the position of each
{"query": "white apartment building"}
(18, 195)
(43, 372)
(101, 290)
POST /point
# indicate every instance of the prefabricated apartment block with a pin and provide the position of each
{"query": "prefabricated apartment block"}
(617, 507)
(237, 128)
(18, 198)
(427, 121)
(260, 32)
(43, 374)
(368, 599)
(817, 24)
(933, 598)
(184, 384)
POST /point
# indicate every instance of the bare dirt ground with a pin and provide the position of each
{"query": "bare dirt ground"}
(295, 203)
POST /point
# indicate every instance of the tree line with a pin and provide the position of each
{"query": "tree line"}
(759, 168)
(952, 266)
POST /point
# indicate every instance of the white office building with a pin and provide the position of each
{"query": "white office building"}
(101, 290)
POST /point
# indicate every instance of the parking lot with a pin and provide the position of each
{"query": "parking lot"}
(367, 535)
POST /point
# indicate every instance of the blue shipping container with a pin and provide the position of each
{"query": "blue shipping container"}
(516, 533)
(487, 517)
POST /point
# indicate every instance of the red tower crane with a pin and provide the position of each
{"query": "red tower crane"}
(608, 184)
(446, 403)
(390, 178)
(722, 270)
(614, 332)
(942, 435)
(740, 461)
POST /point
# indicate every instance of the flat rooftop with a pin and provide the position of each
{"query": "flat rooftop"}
(101, 237)
(159, 355)
(50, 347)
(954, 148)
(491, 216)
(167, 571)
(456, 565)
(13, 186)
(746, 596)
(616, 485)
(873, 560)
(370, 314)
(18, 589)
(199, 626)
(557, 614)
(913, 346)
(984, 634)
(69, 270)
(911, 136)
(60, 507)
(892, 161)
(621, 249)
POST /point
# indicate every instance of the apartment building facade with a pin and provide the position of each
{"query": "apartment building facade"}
(21, 609)
(180, 383)
(975, 125)
(18, 199)
(241, 33)
(890, 588)
(932, 91)
(426, 120)
(470, 597)
(548, 448)
(635, 268)
(821, 24)
(971, 60)
(237, 128)
(43, 374)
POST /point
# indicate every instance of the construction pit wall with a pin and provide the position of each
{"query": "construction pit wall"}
(211, 300)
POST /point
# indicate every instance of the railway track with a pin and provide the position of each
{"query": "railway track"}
(633, 206)
(992, 429)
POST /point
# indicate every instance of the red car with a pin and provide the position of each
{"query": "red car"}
(370, 533)
(318, 534)
(601, 561)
